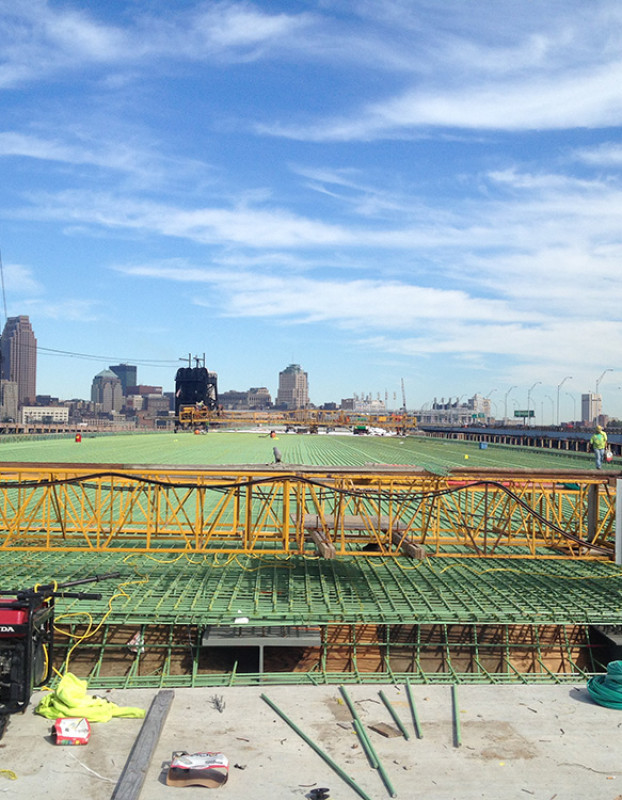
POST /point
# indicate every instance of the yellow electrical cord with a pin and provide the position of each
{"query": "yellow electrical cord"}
(93, 630)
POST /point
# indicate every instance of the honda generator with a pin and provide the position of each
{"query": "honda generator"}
(27, 640)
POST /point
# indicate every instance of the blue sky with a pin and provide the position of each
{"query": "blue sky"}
(375, 190)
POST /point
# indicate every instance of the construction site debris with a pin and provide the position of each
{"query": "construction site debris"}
(386, 730)
(71, 731)
(198, 769)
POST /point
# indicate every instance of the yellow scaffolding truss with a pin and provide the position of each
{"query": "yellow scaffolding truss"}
(308, 418)
(330, 512)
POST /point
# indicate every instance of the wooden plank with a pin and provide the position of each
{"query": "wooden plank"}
(409, 549)
(134, 772)
(386, 730)
(351, 522)
(325, 547)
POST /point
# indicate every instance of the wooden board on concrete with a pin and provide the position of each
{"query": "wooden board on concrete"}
(132, 778)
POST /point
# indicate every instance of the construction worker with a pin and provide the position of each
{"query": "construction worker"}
(598, 443)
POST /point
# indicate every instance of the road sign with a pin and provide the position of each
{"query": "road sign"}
(524, 414)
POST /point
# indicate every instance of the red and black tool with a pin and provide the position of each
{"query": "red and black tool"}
(27, 640)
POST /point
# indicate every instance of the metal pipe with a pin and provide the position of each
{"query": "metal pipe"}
(393, 713)
(343, 775)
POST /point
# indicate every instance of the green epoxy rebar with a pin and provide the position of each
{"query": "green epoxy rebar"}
(413, 710)
(362, 733)
(394, 714)
(331, 763)
(456, 716)
(179, 591)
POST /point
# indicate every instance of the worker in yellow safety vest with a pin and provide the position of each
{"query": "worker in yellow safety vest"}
(598, 443)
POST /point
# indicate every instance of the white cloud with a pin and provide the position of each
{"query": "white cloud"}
(19, 279)
(43, 40)
(608, 154)
(411, 321)
(253, 227)
(574, 99)
(109, 154)
(546, 352)
(363, 304)
(69, 309)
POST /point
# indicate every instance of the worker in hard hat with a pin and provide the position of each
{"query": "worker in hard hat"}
(598, 443)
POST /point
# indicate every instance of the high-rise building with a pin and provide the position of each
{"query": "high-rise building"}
(259, 397)
(18, 354)
(591, 408)
(293, 388)
(128, 375)
(8, 401)
(106, 390)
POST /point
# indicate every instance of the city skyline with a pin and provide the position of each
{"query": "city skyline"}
(111, 385)
(379, 192)
(293, 393)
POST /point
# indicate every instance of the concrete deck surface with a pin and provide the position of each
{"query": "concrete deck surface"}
(541, 742)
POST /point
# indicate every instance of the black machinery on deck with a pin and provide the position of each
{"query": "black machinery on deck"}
(27, 640)
(196, 396)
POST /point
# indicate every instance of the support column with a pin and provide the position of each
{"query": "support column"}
(619, 521)
(592, 511)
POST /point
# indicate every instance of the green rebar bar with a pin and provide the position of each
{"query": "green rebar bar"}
(362, 733)
(413, 710)
(394, 714)
(381, 770)
(456, 715)
(332, 764)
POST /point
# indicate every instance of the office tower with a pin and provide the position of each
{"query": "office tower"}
(293, 388)
(128, 375)
(18, 353)
(591, 408)
(8, 401)
(106, 390)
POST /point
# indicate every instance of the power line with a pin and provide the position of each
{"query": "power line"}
(144, 362)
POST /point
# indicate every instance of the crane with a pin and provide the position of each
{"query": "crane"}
(403, 397)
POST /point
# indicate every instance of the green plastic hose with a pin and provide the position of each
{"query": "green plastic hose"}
(606, 690)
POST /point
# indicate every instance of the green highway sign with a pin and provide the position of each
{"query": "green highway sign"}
(524, 414)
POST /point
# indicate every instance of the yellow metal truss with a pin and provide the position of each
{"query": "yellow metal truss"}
(333, 512)
(299, 418)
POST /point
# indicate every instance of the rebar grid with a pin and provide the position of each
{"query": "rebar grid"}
(214, 590)
(169, 656)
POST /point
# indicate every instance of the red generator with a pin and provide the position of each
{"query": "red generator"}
(27, 640)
